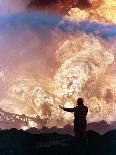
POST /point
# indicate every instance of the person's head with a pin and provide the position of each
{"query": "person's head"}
(80, 102)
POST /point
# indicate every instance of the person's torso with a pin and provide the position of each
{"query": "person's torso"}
(80, 113)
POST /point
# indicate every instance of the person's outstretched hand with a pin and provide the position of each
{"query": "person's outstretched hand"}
(60, 106)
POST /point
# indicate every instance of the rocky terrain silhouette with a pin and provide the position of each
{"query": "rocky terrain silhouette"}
(100, 127)
(19, 142)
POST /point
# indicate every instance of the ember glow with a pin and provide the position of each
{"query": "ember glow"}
(48, 60)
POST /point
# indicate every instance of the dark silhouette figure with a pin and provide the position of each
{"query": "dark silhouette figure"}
(80, 122)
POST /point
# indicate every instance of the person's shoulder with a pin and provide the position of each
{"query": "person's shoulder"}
(75, 108)
(86, 107)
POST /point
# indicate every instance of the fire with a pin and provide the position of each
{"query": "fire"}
(103, 11)
(82, 67)
(77, 14)
(84, 62)
(79, 72)
(68, 116)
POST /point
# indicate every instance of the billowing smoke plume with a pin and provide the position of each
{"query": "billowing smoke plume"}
(60, 5)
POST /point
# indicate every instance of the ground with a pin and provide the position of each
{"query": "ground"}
(18, 142)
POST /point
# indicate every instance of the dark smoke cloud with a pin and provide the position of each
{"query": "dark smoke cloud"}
(56, 5)
(44, 2)
(60, 5)
(83, 4)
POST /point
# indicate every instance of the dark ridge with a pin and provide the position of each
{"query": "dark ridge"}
(19, 142)
(99, 127)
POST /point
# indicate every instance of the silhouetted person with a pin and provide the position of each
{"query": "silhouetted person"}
(80, 122)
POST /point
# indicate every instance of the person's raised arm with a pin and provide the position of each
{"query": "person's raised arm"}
(67, 109)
